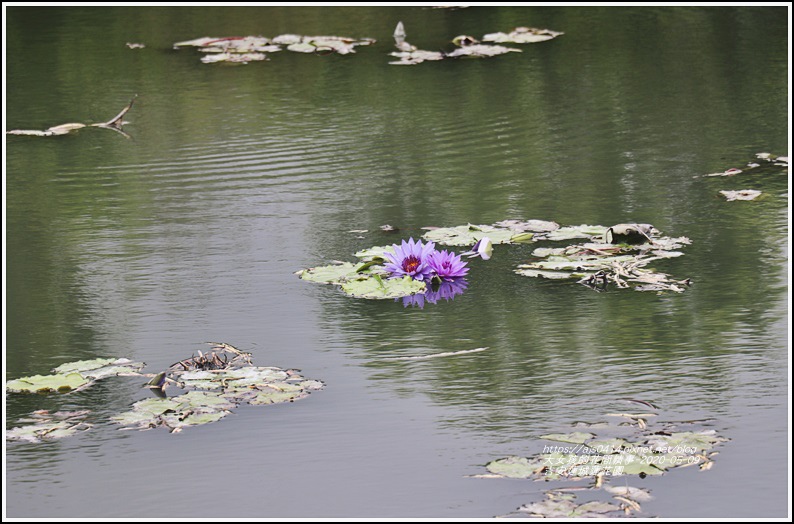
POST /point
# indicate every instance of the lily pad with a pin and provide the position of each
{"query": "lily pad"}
(568, 509)
(600, 264)
(244, 49)
(481, 51)
(50, 426)
(332, 274)
(375, 287)
(60, 383)
(522, 35)
(416, 56)
(515, 467)
(469, 234)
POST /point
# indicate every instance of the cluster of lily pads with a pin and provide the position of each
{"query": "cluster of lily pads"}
(468, 46)
(244, 49)
(762, 160)
(617, 256)
(213, 384)
(632, 447)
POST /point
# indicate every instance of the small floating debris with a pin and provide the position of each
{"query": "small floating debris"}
(742, 194)
(765, 159)
(133, 45)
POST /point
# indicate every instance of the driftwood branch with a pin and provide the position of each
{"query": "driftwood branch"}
(115, 124)
(117, 121)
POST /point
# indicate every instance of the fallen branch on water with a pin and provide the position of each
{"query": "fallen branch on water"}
(116, 123)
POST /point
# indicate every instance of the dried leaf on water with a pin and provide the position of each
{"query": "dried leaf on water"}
(742, 194)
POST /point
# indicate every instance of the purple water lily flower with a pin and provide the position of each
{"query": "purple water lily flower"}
(411, 259)
(446, 265)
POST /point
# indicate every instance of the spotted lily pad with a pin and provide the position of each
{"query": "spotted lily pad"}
(60, 383)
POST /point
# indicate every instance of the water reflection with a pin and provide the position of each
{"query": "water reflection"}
(446, 289)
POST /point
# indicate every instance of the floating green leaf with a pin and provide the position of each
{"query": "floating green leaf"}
(469, 234)
(60, 383)
(375, 287)
(74, 375)
(598, 264)
(332, 274)
(515, 467)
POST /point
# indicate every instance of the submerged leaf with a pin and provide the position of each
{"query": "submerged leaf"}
(577, 437)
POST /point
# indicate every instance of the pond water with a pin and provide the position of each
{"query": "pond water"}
(235, 177)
